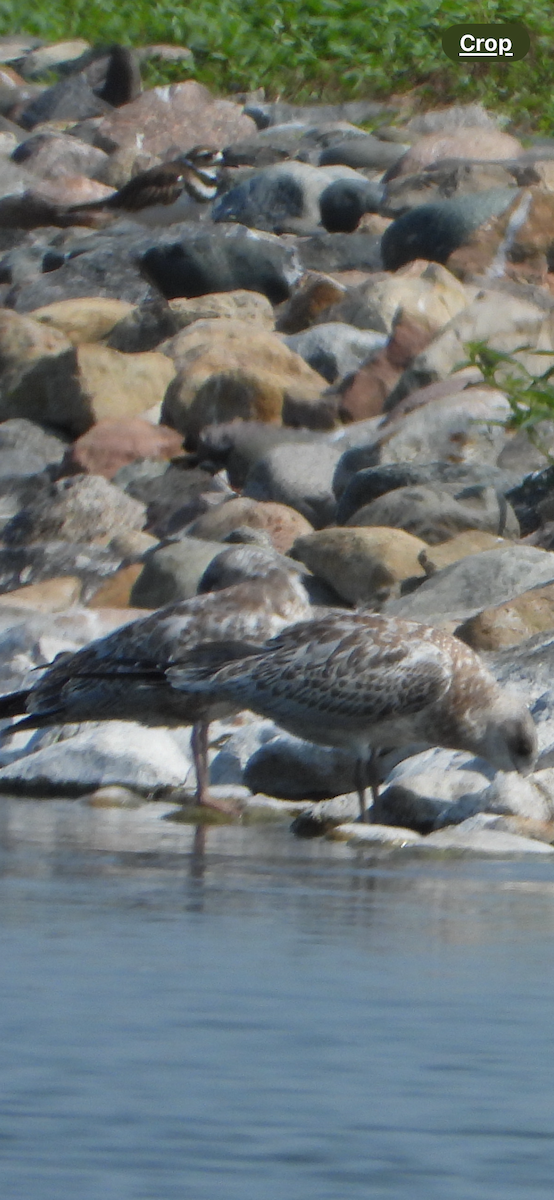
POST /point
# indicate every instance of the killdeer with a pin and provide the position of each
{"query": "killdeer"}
(161, 195)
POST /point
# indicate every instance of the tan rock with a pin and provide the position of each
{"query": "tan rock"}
(181, 114)
(434, 558)
(240, 305)
(23, 342)
(504, 321)
(132, 543)
(507, 624)
(112, 444)
(283, 524)
(86, 319)
(116, 591)
(422, 290)
(474, 143)
(545, 171)
(224, 374)
(117, 385)
(45, 378)
(374, 223)
(361, 564)
(52, 595)
(314, 295)
(208, 333)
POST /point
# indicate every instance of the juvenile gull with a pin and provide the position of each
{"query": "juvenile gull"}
(123, 676)
(367, 683)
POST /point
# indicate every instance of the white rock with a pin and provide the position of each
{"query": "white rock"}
(98, 755)
(474, 836)
(375, 835)
(464, 428)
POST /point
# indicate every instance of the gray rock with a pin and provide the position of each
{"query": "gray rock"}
(144, 327)
(335, 349)
(51, 155)
(434, 231)
(31, 639)
(278, 112)
(434, 788)
(329, 252)
(300, 476)
(222, 260)
(291, 769)
(343, 203)
(455, 116)
(82, 508)
(508, 795)
(365, 150)
(474, 583)
(100, 755)
(172, 572)
(173, 497)
(527, 497)
(238, 563)
(26, 448)
(453, 178)
(318, 819)
(70, 99)
(95, 266)
(282, 197)
(34, 563)
(356, 484)
(239, 445)
(437, 514)
(228, 763)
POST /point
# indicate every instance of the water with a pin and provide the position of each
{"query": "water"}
(264, 1018)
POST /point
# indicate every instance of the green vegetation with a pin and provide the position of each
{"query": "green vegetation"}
(310, 50)
(531, 397)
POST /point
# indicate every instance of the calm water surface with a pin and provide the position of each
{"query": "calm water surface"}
(267, 1019)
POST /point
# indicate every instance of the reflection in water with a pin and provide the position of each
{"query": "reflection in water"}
(231, 1014)
(197, 870)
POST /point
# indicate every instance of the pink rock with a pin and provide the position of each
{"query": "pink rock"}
(367, 392)
(484, 144)
(71, 189)
(112, 444)
(181, 114)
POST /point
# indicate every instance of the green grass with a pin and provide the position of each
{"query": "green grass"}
(531, 397)
(309, 50)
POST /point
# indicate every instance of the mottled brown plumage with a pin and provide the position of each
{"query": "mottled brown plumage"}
(364, 682)
(195, 172)
(123, 676)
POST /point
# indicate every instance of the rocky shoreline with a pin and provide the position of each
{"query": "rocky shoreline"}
(281, 375)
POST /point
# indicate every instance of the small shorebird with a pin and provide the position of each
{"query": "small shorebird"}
(160, 195)
(367, 683)
(123, 676)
